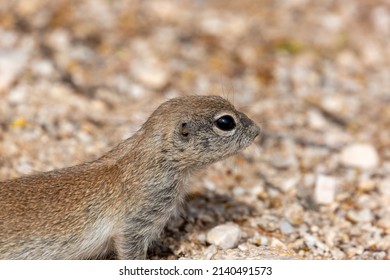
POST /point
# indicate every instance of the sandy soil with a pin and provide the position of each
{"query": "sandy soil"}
(77, 77)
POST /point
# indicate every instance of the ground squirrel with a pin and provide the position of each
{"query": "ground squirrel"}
(121, 201)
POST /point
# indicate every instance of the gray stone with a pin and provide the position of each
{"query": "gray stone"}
(286, 228)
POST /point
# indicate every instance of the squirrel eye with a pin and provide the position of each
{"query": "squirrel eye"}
(225, 123)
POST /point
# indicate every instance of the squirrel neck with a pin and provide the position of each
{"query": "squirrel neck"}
(159, 186)
(146, 170)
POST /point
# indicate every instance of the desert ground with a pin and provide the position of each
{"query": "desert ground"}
(78, 77)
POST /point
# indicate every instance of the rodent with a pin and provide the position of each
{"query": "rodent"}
(121, 201)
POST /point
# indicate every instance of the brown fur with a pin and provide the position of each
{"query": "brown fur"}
(122, 200)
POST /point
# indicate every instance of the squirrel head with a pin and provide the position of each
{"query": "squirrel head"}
(194, 131)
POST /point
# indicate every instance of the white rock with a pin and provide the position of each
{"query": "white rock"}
(215, 25)
(337, 254)
(315, 244)
(150, 73)
(210, 252)
(330, 237)
(325, 189)
(368, 185)
(284, 162)
(384, 186)
(277, 243)
(225, 236)
(316, 120)
(362, 216)
(314, 228)
(212, 25)
(289, 184)
(202, 238)
(332, 22)
(354, 251)
(18, 94)
(209, 185)
(12, 63)
(380, 16)
(24, 166)
(43, 68)
(256, 190)
(286, 228)
(309, 180)
(59, 39)
(238, 191)
(360, 155)
(243, 247)
(259, 240)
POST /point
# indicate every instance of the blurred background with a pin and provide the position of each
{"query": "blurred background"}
(77, 77)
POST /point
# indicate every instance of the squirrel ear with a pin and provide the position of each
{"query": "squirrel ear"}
(184, 129)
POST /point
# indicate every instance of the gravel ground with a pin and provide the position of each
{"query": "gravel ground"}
(77, 77)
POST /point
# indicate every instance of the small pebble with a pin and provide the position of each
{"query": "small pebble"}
(325, 189)
(150, 73)
(209, 185)
(225, 236)
(265, 222)
(383, 243)
(284, 162)
(238, 191)
(256, 190)
(361, 216)
(363, 156)
(259, 240)
(202, 238)
(286, 228)
(316, 120)
(206, 218)
(289, 184)
(277, 243)
(384, 223)
(384, 186)
(367, 186)
(337, 254)
(294, 214)
(379, 255)
(243, 247)
(315, 245)
(314, 228)
(12, 62)
(353, 251)
(210, 252)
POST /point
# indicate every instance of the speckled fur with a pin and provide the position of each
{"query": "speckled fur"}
(123, 200)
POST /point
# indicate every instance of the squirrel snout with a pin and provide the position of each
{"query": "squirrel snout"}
(249, 124)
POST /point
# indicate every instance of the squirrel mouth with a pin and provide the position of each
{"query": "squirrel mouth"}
(246, 139)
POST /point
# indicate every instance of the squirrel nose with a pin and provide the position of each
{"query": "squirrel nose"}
(248, 123)
(258, 129)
